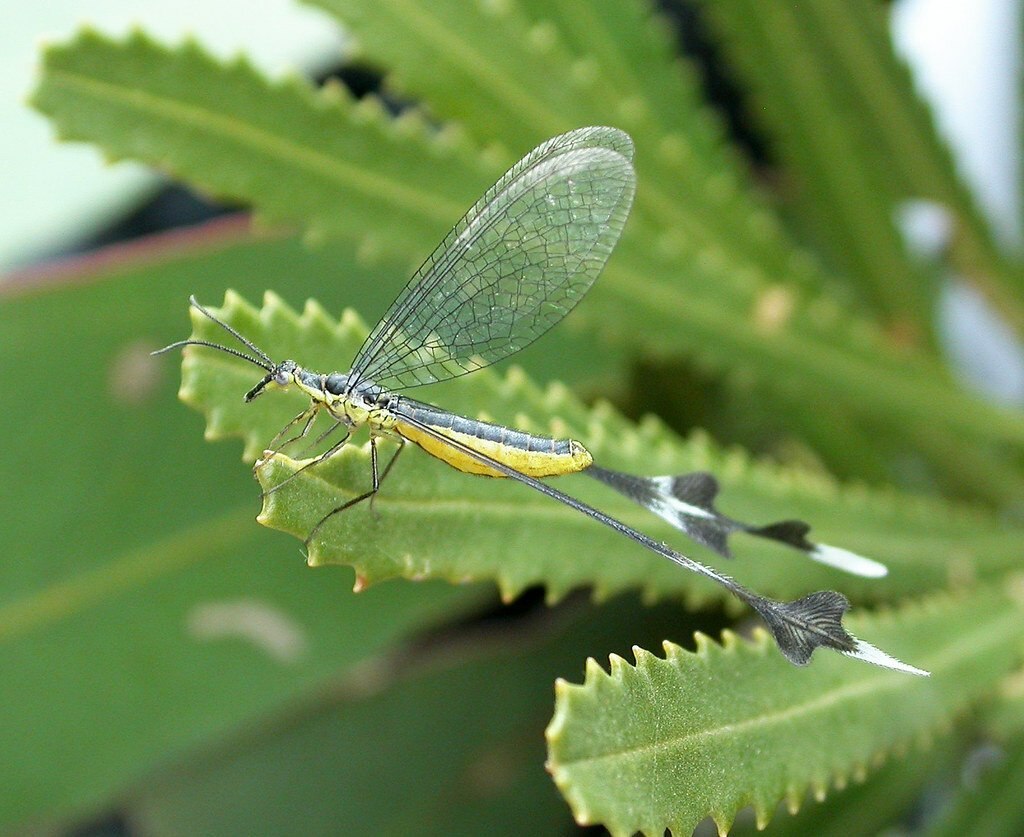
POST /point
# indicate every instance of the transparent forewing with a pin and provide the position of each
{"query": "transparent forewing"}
(515, 264)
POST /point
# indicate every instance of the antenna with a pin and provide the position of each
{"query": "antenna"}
(262, 359)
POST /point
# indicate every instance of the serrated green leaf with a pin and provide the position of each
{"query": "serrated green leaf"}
(456, 724)
(869, 804)
(432, 521)
(666, 742)
(313, 159)
(317, 158)
(491, 68)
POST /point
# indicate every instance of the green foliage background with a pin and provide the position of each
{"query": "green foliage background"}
(165, 656)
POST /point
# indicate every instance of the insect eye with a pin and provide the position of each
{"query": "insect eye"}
(282, 378)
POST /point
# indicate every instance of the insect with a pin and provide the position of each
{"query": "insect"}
(519, 260)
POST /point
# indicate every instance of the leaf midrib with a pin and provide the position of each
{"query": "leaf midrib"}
(247, 134)
(134, 568)
(886, 681)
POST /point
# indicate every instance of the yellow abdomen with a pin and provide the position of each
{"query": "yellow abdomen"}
(535, 456)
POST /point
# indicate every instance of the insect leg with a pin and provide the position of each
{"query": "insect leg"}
(308, 414)
(321, 437)
(389, 466)
(355, 500)
(327, 454)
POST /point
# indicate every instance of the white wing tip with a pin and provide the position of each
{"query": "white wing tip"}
(870, 654)
(851, 562)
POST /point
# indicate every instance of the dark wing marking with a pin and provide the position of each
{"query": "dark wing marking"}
(687, 502)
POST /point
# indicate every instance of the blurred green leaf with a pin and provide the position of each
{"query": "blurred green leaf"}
(990, 801)
(1004, 718)
(314, 156)
(517, 73)
(485, 692)
(143, 613)
(850, 129)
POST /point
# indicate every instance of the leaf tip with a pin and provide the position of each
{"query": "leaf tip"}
(723, 822)
(704, 644)
(352, 322)
(593, 670)
(794, 797)
(370, 110)
(617, 666)
(673, 652)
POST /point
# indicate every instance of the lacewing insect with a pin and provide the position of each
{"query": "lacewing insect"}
(514, 266)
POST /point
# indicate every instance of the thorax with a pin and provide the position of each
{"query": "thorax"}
(355, 404)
